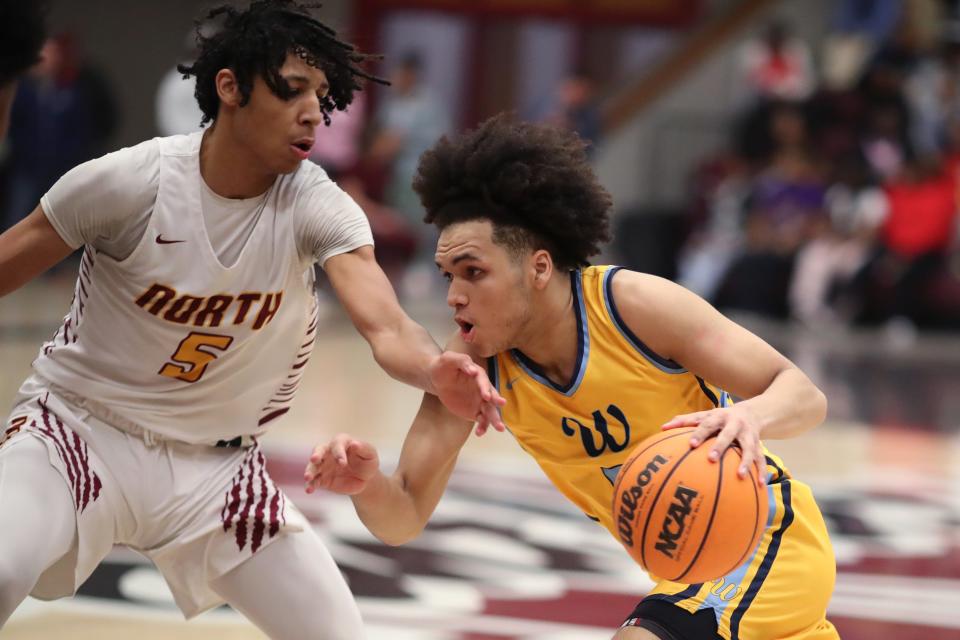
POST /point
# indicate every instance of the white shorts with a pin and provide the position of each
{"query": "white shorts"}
(196, 511)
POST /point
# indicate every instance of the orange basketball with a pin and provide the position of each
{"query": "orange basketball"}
(682, 517)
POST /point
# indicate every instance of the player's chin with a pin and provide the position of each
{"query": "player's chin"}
(484, 349)
(287, 165)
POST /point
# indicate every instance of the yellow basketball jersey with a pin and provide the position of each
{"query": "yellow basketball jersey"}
(621, 392)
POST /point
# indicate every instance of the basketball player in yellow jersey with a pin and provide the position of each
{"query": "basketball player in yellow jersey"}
(591, 361)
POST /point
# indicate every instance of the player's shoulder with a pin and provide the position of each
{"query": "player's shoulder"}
(308, 178)
(137, 158)
(310, 192)
(125, 174)
(646, 297)
(633, 283)
(187, 144)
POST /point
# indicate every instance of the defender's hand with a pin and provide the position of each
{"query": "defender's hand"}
(729, 423)
(343, 465)
(463, 387)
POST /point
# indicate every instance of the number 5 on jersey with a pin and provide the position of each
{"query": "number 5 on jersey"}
(190, 357)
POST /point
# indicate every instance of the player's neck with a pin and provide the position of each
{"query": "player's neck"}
(551, 335)
(229, 168)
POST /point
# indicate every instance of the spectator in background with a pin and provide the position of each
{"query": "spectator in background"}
(933, 93)
(883, 142)
(576, 107)
(62, 116)
(786, 210)
(896, 286)
(826, 266)
(723, 186)
(409, 122)
(859, 29)
(22, 33)
(777, 66)
(914, 241)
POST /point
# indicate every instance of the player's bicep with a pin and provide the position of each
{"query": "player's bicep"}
(28, 249)
(678, 325)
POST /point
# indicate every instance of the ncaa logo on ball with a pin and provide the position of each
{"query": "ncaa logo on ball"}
(671, 535)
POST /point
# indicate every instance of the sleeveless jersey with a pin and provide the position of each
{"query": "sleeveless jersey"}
(174, 342)
(621, 392)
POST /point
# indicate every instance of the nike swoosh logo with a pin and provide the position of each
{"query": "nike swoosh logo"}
(512, 382)
(160, 240)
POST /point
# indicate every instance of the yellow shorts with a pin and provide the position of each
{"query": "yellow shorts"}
(782, 591)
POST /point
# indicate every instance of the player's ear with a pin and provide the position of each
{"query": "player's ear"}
(542, 265)
(228, 89)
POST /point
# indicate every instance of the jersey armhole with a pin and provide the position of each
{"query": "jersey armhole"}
(664, 364)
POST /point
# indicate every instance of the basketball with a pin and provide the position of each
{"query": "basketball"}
(682, 517)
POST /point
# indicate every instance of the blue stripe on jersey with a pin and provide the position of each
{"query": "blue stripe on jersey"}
(735, 577)
(664, 364)
(583, 346)
(764, 565)
(780, 473)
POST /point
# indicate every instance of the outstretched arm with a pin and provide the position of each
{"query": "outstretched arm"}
(394, 508)
(28, 249)
(780, 401)
(402, 347)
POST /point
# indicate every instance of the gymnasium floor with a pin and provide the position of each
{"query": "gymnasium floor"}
(506, 558)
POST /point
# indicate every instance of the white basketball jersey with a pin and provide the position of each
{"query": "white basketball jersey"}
(175, 342)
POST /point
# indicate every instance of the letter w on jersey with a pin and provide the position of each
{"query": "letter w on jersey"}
(607, 439)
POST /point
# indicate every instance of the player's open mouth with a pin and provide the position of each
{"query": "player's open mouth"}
(302, 148)
(467, 330)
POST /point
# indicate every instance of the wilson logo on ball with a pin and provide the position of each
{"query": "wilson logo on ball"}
(630, 497)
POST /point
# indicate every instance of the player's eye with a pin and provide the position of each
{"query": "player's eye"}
(447, 276)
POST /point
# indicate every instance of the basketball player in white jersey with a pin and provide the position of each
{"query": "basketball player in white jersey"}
(192, 320)
(22, 33)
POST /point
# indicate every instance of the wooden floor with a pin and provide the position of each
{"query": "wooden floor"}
(506, 557)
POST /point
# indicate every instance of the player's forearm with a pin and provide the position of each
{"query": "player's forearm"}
(388, 511)
(405, 353)
(791, 405)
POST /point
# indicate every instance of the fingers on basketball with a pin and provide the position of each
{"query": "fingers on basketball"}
(682, 517)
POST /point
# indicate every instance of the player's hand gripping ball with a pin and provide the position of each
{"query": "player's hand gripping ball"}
(682, 517)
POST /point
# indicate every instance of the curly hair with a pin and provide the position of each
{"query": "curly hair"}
(533, 182)
(257, 41)
(22, 34)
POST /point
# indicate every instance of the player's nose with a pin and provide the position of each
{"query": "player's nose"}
(311, 113)
(456, 298)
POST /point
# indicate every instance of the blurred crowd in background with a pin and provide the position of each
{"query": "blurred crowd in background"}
(835, 201)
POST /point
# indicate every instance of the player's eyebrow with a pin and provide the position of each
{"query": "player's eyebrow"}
(459, 258)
